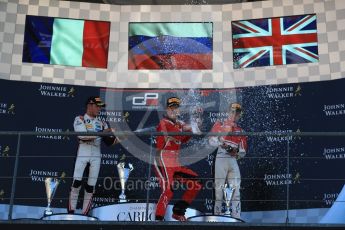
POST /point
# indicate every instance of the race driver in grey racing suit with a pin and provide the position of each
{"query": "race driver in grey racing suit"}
(230, 149)
(89, 151)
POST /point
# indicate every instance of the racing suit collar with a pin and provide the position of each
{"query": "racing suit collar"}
(86, 116)
(169, 119)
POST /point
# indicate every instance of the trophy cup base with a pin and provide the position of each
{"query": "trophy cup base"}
(215, 218)
(64, 216)
(48, 213)
(123, 198)
(123, 201)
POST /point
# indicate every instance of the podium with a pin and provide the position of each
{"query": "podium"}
(64, 216)
(214, 218)
(134, 212)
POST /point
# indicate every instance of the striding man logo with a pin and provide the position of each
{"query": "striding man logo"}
(5, 152)
(62, 177)
(11, 109)
(298, 131)
(297, 178)
(71, 92)
(66, 137)
(2, 193)
(126, 116)
(298, 91)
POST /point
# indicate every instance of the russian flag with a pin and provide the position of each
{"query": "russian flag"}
(170, 45)
(69, 42)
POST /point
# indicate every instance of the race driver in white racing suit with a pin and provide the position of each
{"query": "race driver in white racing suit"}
(230, 149)
(89, 152)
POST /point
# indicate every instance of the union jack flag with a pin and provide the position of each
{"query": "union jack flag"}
(275, 41)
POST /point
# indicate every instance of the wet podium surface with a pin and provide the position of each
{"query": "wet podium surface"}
(214, 218)
(62, 216)
(135, 212)
(134, 215)
(153, 225)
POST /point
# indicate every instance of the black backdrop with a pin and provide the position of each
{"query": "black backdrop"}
(315, 175)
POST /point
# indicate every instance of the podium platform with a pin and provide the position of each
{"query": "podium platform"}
(214, 218)
(134, 212)
(64, 216)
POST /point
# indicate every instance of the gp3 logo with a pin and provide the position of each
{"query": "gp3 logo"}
(149, 99)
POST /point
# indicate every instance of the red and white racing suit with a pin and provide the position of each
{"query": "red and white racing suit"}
(89, 151)
(226, 166)
(169, 169)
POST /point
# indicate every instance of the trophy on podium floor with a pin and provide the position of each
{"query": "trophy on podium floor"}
(228, 192)
(51, 185)
(123, 175)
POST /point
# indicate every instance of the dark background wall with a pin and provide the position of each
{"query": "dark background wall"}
(314, 177)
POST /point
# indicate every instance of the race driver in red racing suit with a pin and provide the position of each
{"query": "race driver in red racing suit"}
(168, 167)
(231, 148)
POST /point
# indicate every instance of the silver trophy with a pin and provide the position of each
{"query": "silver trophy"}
(51, 186)
(123, 175)
(228, 192)
(195, 119)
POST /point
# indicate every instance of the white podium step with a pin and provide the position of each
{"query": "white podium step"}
(64, 216)
(134, 212)
(214, 218)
